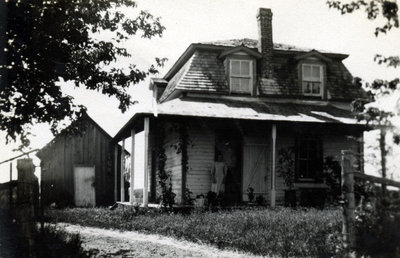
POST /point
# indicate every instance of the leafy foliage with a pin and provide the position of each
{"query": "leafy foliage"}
(378, 89)
(167, 197)
(374, 9)
(51, 242)
(250, 194)
(276, 233)
(49, 42)
(377, 222)
(332, 176)
(285, 166)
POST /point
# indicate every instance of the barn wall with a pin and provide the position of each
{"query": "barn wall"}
(90, 149)
(200, 159)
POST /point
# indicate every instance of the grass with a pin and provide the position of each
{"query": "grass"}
(270, 232)
(48, 242)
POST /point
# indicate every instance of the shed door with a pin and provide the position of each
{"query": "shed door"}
(255, 169)
(84, 178)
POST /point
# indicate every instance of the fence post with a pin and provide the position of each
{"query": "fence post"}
(10, 197)
(25, 204)
(348, 228)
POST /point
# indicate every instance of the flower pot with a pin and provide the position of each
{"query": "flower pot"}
(290, 198)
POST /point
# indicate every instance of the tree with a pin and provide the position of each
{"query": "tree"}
(379, 89)
(50, 41)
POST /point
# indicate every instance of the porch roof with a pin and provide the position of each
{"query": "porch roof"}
(246, 109)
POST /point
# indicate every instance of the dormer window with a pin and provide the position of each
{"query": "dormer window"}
(241, 76)
(312, 79)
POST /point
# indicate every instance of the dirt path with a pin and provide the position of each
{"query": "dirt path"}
(113, 243)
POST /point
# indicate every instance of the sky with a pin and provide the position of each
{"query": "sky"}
(304, 23)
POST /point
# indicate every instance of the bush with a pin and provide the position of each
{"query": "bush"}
(57, 243)
(49, 242)
(378, 224)
(277, 232)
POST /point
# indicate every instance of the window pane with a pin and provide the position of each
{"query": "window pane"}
(235, 67)
(306, 71)
(302, 168)
(245, 68)
(245, 85)
(316, 72)
(309, 158)
(307, 87)
(235, 84)
(316, 88)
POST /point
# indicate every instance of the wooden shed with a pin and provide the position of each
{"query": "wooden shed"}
(80, 169)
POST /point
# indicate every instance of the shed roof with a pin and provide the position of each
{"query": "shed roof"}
(261, 109)
(257, 109)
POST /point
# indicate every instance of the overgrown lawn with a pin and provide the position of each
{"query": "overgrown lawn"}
(270, 232)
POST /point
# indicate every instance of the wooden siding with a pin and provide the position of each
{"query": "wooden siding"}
(200, 160)
(60, 157)
(173, 163)
(256, 141)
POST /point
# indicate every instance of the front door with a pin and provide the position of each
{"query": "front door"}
(84, 178)
(255, 169)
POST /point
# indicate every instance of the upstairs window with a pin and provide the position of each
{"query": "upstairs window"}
(308, 159)
(312, 79)
(241, 80)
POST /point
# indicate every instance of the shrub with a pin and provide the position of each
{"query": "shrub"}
(56, 243)
(278, 232)
(378, 224)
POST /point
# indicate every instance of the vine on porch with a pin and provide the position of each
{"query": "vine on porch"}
(167, 197)
(181, 147)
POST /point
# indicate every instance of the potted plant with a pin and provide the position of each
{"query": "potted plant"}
(285, 169)
(250, 194)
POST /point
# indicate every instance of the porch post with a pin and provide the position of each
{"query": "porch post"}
(132, 181)
(116, 172)
(273, 171)
(122, 171)
(146, 162)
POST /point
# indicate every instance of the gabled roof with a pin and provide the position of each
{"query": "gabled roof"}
(84, 118)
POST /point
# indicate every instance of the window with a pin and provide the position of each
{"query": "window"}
(312, 79)
(308, 159)
(241, 80)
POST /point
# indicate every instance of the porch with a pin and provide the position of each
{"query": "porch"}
(250, 149)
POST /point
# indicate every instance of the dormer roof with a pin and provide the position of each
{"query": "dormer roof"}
(313, 54)
(241, 48)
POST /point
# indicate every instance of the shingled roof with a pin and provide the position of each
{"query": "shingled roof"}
(200, 69)
(253, 43)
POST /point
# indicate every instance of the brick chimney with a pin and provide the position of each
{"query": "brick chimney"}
(265, 43)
